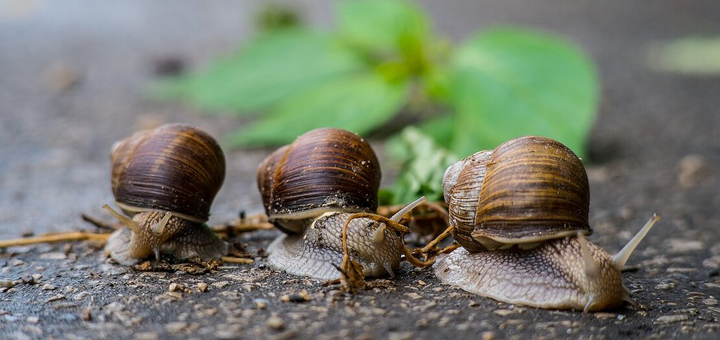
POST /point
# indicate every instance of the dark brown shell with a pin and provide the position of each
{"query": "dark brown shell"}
(174, 167)
(323, 170)
(531, 189)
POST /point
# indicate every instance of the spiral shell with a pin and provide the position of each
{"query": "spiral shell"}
(527, 190)
(174, 167)
(323, 170)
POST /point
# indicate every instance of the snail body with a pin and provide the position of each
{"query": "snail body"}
(310, 188)
(166, 179)
(521, 215)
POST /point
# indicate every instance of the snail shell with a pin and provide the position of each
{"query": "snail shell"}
(520, 213)
(166, 179)
(321, 171)
(174, 167)
(528, 190)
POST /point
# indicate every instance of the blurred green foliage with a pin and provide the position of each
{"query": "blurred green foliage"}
(383, 60)
(697, 56)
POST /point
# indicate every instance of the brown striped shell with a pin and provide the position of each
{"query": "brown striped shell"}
(322, 170)
(528, 190)
(174, 167)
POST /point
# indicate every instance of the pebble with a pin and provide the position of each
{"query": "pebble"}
(710, 302)
(37, 277)
(48, 287)
(33, 319)
(87, 315)
(27, 279)
(665, 286)
(678, 246)
(55, 298)
(80, 296)
(488, 336)
(472, 303)
(176, 287)
(260, 303)
(668, 319)
(202, 286)
(275, 322)
(400, 336)
(302, 296)
(503, 312)
(146, 336)
(176, 327)
(53, 256)
(221, 284)
(414, 296)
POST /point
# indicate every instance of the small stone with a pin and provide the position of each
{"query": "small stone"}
(37, 277)
(472, 303)
(710, 302)
(55, 298)
(488, 336)
(221, 284)
(16, 263)
(503, 312)
(146, 336)
(176, 327)
(422, 283)
(48, 287)
(87, 315)
(260, 303)
(438, 289)
(53, 256)
(604, 315)
(80, 296)
(176, 287)
(275, 322)
(302, 296)
(678, 246)
(668, 319)
(27, 279)
(692, 169)
(7, 284)
(33, 319)
(400, 336)
(665, 286)
(414, 296)
(202, 286)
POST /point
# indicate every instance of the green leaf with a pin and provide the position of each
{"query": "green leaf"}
(510, 82)
(424, 164)
(358, 103)
(268, 69)
(381, 24)
(692, 55)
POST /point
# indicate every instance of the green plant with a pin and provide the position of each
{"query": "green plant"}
(381, 61)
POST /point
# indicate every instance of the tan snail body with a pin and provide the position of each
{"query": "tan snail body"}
(521, 215)
(309, 189)
(166, 179)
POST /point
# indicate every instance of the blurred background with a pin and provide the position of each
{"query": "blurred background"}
(630, 86)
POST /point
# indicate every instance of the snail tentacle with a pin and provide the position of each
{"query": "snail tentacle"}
(623, 255)
(123, 219)
(159, 227)
(590, 267)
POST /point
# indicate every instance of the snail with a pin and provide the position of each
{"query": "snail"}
(521, 216)
(310, 188)
(165, 179)
(323, 170)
